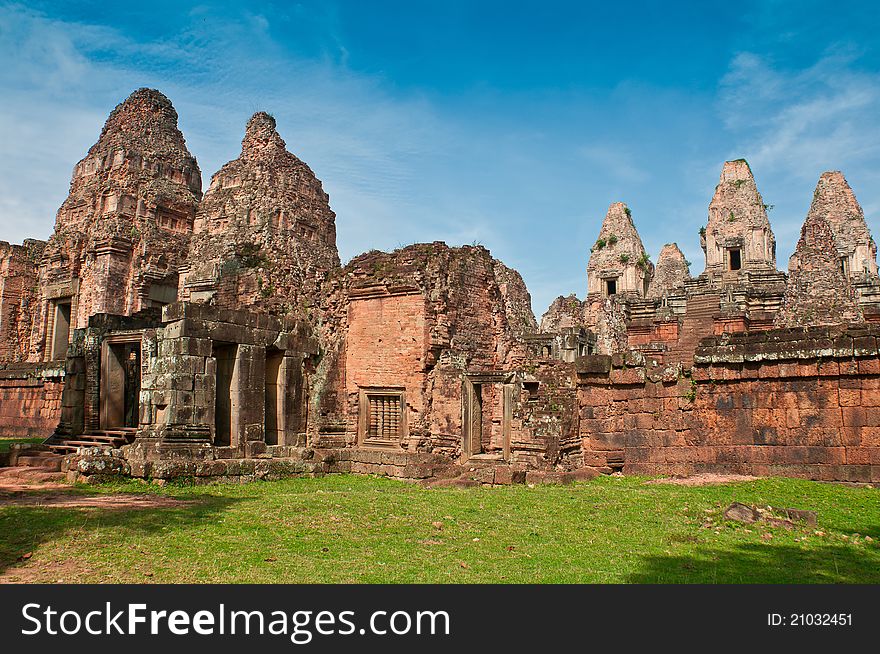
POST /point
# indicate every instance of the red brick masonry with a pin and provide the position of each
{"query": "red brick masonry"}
(798, 402)
(30, 400)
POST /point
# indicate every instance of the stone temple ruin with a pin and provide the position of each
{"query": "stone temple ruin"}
(161, 332)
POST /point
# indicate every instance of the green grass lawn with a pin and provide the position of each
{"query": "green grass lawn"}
(6, 443)
(362, 529)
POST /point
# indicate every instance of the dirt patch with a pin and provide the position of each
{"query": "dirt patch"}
(704, 479)
(71, 500)
(23, 486)
(45, 572)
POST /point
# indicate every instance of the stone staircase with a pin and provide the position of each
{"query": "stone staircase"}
(698, 323)
(32, 468)
(108, 439)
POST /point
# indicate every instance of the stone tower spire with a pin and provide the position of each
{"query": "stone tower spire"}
(125, 226)
(818, 292)
(618, 264)
(738, 234)
(670, 273)
(835, 201)
(264, 236)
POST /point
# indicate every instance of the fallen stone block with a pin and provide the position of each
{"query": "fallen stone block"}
(741, 513)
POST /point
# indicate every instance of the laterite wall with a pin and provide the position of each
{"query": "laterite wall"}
(798, 403)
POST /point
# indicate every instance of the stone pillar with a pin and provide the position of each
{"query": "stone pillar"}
(251, 394)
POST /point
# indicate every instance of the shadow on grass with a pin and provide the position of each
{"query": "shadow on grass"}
(24, 528)
(765, 563)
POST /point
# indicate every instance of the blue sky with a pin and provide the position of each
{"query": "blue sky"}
(514, 125)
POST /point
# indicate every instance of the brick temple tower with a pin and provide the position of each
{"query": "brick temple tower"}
(124, 228)
(618, 264)
(670, 273)
(737, 236)
(835, 202)
(265, 236)
(818, 291)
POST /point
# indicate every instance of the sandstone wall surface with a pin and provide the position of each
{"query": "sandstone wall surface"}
(265, 236)
(30, 400)
(800, 403)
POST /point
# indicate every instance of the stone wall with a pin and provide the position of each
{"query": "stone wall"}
(19, 296)
(30, 400)
(386, 349)
(799, 402)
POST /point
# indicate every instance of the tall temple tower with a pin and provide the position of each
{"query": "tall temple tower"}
(618, 264)
(737, 236)
(124, 228)
(265, 236)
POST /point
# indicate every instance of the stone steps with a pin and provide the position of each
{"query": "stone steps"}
(41, 459)
(698, 323)
(22, 477)
(105, 438)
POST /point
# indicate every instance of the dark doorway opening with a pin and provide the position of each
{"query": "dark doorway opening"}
(226, 386)
(473, 423)
(735, 259)
(611, 287)
(61, 332)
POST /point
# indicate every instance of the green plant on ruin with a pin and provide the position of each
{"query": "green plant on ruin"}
(612, 239)
(624, 258)
(379, 268)
(768, 207)
(643, 261)
(600, 244)
(250, 256)
(739, 182)
(691, 394)
(703, 232)
(266, 290)
(627, 211)
(731, 218)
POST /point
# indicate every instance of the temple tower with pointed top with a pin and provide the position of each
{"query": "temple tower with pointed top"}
(618, 264)
(835, 202)
(737, 236)
(264, 236)
(818, 291)
(125, 226)
(670, 273)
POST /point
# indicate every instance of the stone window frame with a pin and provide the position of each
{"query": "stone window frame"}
(364, 396)
(607, 290)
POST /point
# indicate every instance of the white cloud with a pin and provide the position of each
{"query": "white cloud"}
(792, 125)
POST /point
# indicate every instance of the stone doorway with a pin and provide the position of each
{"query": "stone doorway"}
(487, 408)
(120, 382)
(226, 387)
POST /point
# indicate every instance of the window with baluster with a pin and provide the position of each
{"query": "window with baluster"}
(382, 417)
